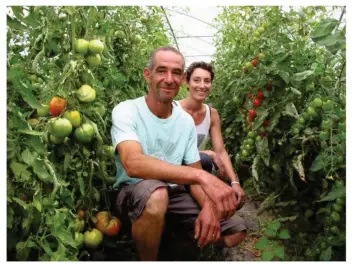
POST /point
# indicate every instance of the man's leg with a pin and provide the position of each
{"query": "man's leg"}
(233, 232)
(148, 228)
(144, 205)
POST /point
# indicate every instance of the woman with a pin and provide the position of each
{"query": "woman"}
(199, 77)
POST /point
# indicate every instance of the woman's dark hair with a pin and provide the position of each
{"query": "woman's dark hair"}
(203, 65)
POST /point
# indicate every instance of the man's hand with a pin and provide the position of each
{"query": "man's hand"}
(220, 193)
(207, 226)
(239, 193)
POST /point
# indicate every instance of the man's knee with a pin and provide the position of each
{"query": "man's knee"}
(157, 204)
(234, 239)
(206, 162)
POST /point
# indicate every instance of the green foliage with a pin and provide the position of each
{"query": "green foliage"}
(47, 183)
(300, 150)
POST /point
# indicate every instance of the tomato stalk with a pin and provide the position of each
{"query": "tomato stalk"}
(73, 33)
(57, 185)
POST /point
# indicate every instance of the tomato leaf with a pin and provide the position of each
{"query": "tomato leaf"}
(326, 254)
(267, 255)
(274, 225)
(36, 200)
(27, 157)
(82, 185)
(336, 192)
(279, 252)
(318, 163)
(302, 75)
(262, 149)
(290, 110)
(22, 251)
(41, 171)
(324, 28)
(20, 171)
(261, 116)
(10, 217)
(262, 243)
(284, 234)
(27, 95)
(270, 233)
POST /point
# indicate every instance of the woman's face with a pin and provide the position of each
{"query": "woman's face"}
(199, 84)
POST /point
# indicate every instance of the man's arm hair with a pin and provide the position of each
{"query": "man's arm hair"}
(136, 164)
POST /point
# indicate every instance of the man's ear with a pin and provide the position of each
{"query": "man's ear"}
(147, 75)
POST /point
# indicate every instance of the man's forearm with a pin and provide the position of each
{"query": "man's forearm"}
(147, 167)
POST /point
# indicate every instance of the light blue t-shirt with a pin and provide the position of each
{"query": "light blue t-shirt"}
(173, 140)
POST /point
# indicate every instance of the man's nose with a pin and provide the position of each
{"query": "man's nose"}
(169, 78)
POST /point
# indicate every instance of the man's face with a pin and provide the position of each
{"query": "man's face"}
(166, 76)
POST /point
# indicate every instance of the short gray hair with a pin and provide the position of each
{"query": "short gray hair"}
(150, 62)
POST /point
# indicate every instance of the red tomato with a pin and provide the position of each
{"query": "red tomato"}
(269, 86)
(254, 62)
(260, 94)
(56, 106)
(249, 96)
(257, 102)
(266, 122)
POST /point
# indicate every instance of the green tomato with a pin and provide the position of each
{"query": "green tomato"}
(108, 151)
(250, 141)
(249, 65)
(261, 56)
(247, 147)
(94, 60)
(84, 133)
(258, 138)
(43, 111)
(334, 230)
(236, 100)
(93, 238)
(261, 30)
(335, 217)
(301, 120)
(55, 140)
(81, 46)
(32, 78)
(73, 116)
(324, 135)
(251, 134)
(327, 105)
(340, 201)
(337, 207)
(342, 126)
(86, 94)
(244, 153)
(325, 124)
(100, 109)
(311, 111)
(295, 131)
(317, 103)
(61, 128)
(36, 85)
(96, 46)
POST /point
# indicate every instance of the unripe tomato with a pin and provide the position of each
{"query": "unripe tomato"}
(55, 140)
(245, 70)
(43, 111)
(81, 46)
(84, 133)
(311, 111)
(317, 103)
(100, 109)
(249, 65)
(244, 153)
(86, 94)
(32, 78)
(261, 56)
(60, 128)
(96, 46)
(327, 105)
(261, 30)
(73, 116)
(94, 60)
(93, 238)
(56, 106)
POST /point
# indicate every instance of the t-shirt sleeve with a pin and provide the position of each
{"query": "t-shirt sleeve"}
(192, 153)
(124, 123)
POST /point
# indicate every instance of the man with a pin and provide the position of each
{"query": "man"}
(152, 140)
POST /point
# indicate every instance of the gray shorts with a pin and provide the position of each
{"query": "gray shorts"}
(182, 208)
